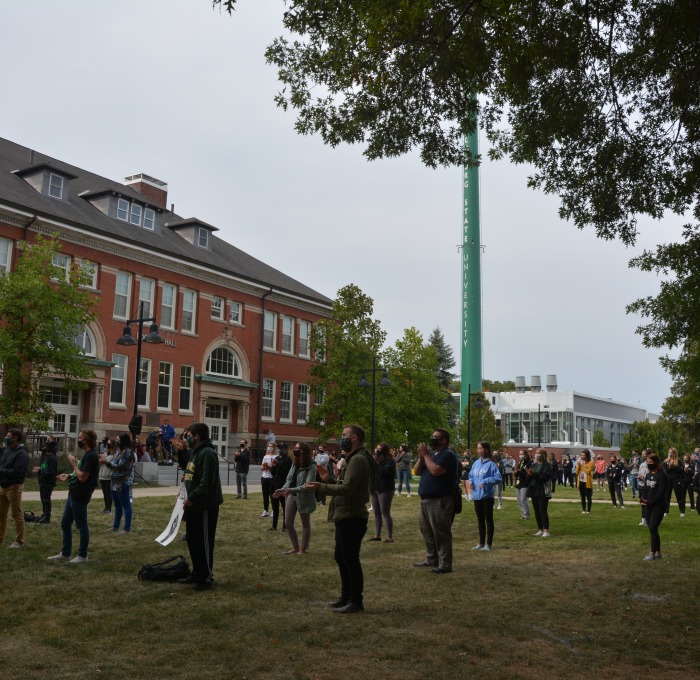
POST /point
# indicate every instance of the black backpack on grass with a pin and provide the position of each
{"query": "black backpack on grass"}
(169, 570)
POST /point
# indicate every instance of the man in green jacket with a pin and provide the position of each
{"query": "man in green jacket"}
(203, 486)
(348, 509)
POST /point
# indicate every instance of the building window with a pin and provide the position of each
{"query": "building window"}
(286, 401)
(217, 308)
(304, 335)
(318, 397)
(144, 375)
(89, 270)
(63, 263)
(203, 239)
(165, 383)
(86, 343)
(123, 210)
(117, 384)
(236, 313)
(146, 291)
(188, 309)
(136, 211)
(303, 404)
(167, 306)
(55, 186)
(122, 295)
(5, 255)
(149, 218)
(222, 361)
(287, 334)
(270, 326)
(186, 388)
(268, 399)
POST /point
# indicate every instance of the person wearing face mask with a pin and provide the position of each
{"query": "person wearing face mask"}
(656, 484)
(81, 484)
(299, 497)
(539, 490)
(521, 483)
(350, 493)
(688, 474)
(482, 481)
(568, 471)
(241, 464)
(641, 480)
(383, 492)
(614, 476)
(122, 468)
(584, 476)
(266, 477)
(14, 461)
(204, 496)
(281, 466)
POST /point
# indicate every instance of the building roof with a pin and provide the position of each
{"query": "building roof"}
(78, 211)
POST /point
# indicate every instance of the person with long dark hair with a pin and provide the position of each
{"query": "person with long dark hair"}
(584, 476)
(122, 468)
(656, 484)
(105, 476)
(614, 475)
(266, 474)
(522, 481)
(404, 461)
(281, 466)
(383, 492)
(539, 490)
(568, 471)
(688, 474)
(483, 478)
(674, 469)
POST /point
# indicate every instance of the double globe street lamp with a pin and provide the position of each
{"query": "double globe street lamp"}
(384, 382)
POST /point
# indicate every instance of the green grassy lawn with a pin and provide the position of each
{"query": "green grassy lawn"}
(581, 604)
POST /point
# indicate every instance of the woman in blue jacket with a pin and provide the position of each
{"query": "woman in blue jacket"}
(483, 478)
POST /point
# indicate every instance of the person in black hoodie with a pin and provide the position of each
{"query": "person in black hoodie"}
(14, 461)
(614, 475)
(46, 471)
(280, 469)
(383, 487)
(656, 485)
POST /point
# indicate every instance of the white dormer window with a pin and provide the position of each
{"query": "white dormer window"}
(203, 240)
(135, 214)
(55, 186)
(123, 210)
(149, 218)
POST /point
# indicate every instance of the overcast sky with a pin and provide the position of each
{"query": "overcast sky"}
(182, 92)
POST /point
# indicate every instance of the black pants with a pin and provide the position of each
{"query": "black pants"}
(687, 488)
(586, 496)
(45, 491)
(200, 526)
(348, 540)
(266, 483)
(679, 491)
(615, 489)
(540, 506)
(276, 502)
(106, 485)
(655, 516)
(484, 517)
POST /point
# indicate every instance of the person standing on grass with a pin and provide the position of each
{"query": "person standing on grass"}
(122, 468)
(600, 468)
(568, 471)
(539, 490)
(674, 469)
(688, 474)
(106, 476)
(46, 472)
(280, 469)
(509, 465)
(522, 480)
(584, 476)
(498, 490)
(634, 473)
(383, 492)
(203, 487)
(641, 479)
(554, 470)
(656, 483)
(241, 464)
(14, 461)
(404, 461)
(81, 484)
(614, 476)
(266, 477)
(482, 481)
(348, 510)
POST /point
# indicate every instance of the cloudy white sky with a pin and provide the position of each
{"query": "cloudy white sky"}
(182, 92)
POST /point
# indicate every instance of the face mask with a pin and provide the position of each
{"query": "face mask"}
(434, 442)
(7, 441)
(189, 442)
(521, 457)
(80, 443)
(297, 454)
(538, 459)
(345, 444)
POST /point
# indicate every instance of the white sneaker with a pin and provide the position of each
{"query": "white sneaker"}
(583, 512)
(546, 534)
(622, 507)
(265, 513)
(396, 493)
(78, 560)
(17, 545)
(408, 495)
(58, 558)
(539, 533)
(643, 523)
(500, 507)
(682, 515)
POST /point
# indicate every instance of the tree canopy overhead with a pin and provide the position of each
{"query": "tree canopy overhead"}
(602, 98)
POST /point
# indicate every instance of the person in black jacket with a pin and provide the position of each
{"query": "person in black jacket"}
(539, 490)
(280, 469)
(656, 485)
(46, 471)
(14, 461)
(241, 464)
(688, 473)
(696, 488)
(614, 475)
(674, 469)
(383, 492)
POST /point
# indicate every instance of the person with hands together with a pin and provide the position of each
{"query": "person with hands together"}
(482, 482)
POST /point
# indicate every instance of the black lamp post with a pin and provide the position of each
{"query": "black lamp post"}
(477, 404)
(539, 424)
(128, 341)
(384, 382)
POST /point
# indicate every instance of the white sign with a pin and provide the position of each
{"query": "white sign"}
(168, 536)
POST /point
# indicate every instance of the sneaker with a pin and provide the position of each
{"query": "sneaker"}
(203, 585)
(478, 547)
(487, 548)
(272, 529)
(408, 495)
(499, 507)
(106, 512)
(546, 534)
(58, 558)
(583, 512)
(112, 529)
(539, 533)
(649, 557)
(682, 514)
(78, 560)
(622, 507)
(265, 513)
(643, 523)
(665, 514)
(396, 493)
(17, 545)
(124, 532)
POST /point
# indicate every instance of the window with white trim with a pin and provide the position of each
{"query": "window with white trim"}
(144, 383)
(318, 397)
(165, 384)
(149, 218)
(268, 399)
(123, 210)
(5, 255)
(217, 308)
(302, 404)
(235, 313)
(304, 337)
(189, 302)
(167, 306)
(89, 269)
(269, 329)
(203, 238)
(135, 214)
(55, 186)
(287, 334)
(117, 381)
(222, 361)
(86, 343)
(186, 388)
(63, 263)
(286, 401)
(122, 295)
(147, 288)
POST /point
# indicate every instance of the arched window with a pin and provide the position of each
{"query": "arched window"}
(85, 341)
(222, 361)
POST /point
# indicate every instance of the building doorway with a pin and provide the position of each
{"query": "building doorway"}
(217, 416)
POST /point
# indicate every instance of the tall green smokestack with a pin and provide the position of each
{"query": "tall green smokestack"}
(471, 279)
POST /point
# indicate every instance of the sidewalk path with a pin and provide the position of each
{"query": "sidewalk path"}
(140, 491)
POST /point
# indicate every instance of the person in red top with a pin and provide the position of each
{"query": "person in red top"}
(600, 467)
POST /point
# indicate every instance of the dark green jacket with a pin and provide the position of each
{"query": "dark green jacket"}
(202, 481)
(351, 491)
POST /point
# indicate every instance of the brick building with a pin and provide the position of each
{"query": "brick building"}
(237, 331)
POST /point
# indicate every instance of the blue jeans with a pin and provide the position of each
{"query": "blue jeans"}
(634, 484)
(405, 478)
(75, 511)
(122, 505)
